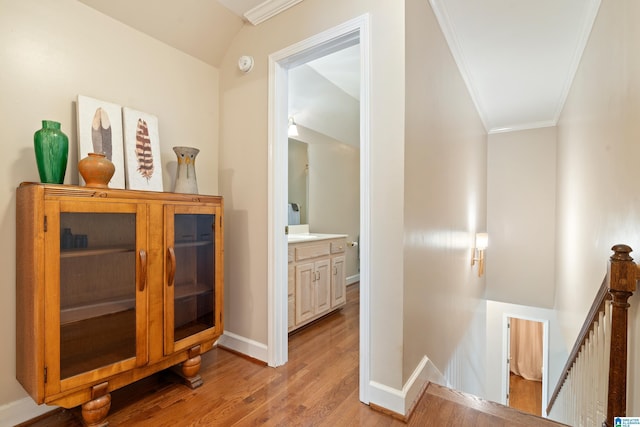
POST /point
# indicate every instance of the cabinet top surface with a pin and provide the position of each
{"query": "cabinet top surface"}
(312, 237)
(59, 190)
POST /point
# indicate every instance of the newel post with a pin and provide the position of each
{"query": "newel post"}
(622, 273)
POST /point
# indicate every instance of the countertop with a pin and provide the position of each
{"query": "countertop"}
(312, 237)
(300, 233)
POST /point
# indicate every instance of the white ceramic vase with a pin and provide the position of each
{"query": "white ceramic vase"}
(186, 175)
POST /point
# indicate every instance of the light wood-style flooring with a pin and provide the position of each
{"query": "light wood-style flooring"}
(317, 387)
(525, 395)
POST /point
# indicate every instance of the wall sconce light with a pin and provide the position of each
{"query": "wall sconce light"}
(293, 128)
(477, 253)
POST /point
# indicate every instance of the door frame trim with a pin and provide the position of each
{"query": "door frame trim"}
(279, 63)
(506, 354)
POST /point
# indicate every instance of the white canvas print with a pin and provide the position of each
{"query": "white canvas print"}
(100, 131)
(142, 151)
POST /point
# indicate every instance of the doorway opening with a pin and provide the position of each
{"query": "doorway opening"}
(346, 35)
(324, 149)
(526, 361)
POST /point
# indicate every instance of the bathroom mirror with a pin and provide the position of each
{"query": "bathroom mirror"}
(298, 182)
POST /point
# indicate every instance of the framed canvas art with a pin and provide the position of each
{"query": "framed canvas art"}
(100, 131)
(142, 151)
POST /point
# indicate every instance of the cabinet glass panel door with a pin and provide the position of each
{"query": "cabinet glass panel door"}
(191, 286)
(98, 262)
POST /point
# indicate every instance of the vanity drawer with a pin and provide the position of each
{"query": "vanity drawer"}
(291, 254)
(312, 251)
(338, 246)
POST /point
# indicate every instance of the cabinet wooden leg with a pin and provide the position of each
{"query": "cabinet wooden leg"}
(190, 368)
(94, 412)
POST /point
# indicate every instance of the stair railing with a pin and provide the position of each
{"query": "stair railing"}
(593, 383)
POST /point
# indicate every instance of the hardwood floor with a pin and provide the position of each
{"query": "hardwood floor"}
(317, 387)
(441, 406)
(525, 395)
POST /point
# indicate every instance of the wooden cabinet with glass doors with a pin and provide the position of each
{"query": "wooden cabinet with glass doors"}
(113, 286)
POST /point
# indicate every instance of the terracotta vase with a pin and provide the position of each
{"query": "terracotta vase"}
(96, 170)
(51, 146)
(186, 175)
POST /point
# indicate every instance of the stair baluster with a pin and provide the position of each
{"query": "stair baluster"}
(592, 389)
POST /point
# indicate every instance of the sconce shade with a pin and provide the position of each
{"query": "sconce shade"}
(482, 241)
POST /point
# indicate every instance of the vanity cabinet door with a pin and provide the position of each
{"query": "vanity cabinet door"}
(313, 289)
(322, 292)
(338, 281)
(96, 291)
(291, 297)
(193, 275)
(305, 279)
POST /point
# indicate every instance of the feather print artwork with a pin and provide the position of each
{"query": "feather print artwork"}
(143, 150)
(101, 133)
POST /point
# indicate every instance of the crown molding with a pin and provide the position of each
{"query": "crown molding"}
(446, 26)
(268, 9)
(591, 12)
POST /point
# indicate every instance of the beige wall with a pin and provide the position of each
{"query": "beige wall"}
(521, 200)
(334, 194)
(243, 164)
(598, 173)
(521, 215)
(49, 53)
(445, 194)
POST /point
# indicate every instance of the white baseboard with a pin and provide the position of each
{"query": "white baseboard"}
(400, 401)
(353, 279)
(244, 345)
(22, 410)
(387, 397)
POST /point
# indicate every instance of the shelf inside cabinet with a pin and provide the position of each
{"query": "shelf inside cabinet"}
(101, 308)
(194, 243)
(81, 252)
(191, 289)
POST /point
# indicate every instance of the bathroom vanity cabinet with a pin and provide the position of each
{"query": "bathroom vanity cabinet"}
(112, 286)
(317, 281)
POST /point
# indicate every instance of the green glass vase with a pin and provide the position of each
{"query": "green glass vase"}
(51, 146)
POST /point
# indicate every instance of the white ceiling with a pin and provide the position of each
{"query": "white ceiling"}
(324, 96)
(240, 7)
(518, 57)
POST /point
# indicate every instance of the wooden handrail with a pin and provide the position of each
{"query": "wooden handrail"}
(598, 305)
(618, 286)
